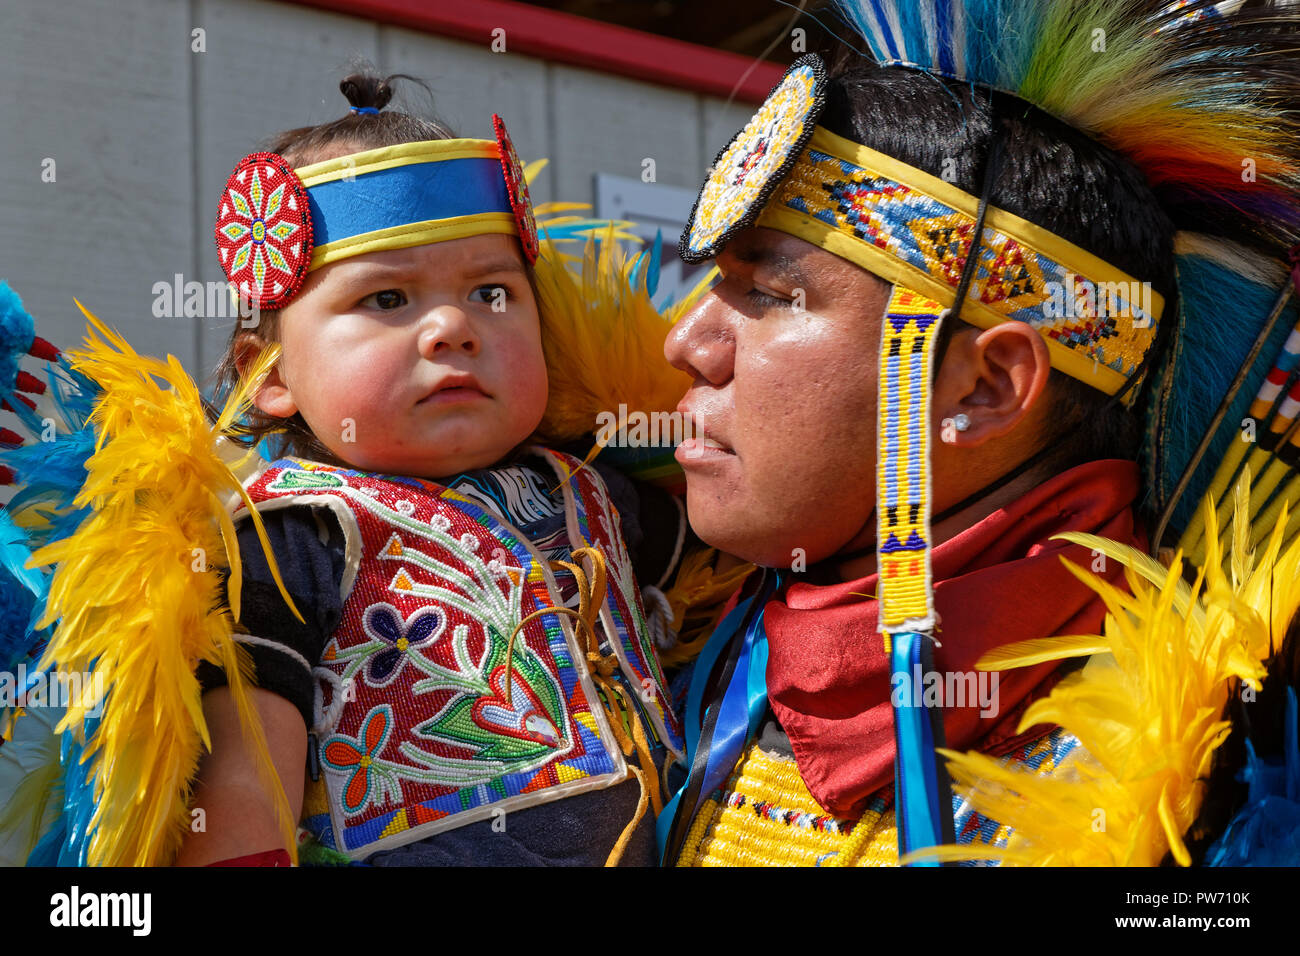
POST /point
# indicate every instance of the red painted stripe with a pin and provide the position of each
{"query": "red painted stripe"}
(566, 38)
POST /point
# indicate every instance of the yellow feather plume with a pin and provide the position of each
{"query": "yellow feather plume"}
(1148, 710)
(136, 594)
(603, 338)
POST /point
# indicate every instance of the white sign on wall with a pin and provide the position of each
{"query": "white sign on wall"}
(655, 209)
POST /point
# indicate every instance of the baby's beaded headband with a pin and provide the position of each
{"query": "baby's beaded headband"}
(275, 223)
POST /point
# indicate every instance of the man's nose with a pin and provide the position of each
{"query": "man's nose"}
(702, 343)
(447, 328)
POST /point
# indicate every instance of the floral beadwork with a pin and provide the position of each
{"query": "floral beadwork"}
(517, 189)
(383, 622)
(756, 160)
(356, 756)
(264, 231)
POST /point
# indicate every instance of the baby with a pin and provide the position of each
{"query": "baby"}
(470, 680)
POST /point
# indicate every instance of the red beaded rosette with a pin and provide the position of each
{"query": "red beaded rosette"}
(517, 189)
(264, 235)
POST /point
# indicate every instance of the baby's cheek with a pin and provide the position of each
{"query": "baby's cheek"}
(522, 370)
(354, 404)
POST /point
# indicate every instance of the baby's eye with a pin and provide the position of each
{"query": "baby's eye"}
(386, 300)
(490, 294)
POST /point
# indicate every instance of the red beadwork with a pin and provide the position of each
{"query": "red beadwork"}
(263, 231)
(517, 190)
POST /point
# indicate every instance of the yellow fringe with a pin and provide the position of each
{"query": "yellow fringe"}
(1149, 711)
(136, 595)
(697, 597)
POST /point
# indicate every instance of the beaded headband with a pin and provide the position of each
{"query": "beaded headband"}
(784, 172)
(275, 223)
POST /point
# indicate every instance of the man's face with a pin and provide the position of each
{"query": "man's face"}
(784, 355)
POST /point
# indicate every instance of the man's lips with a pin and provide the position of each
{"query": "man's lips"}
(701, 449)
(704, 443)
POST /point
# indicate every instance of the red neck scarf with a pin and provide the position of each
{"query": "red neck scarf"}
(998, 582)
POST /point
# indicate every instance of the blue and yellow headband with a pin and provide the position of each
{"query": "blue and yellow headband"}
(275, 224)
(784, 172)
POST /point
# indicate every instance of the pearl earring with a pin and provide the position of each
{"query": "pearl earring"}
(958, 423)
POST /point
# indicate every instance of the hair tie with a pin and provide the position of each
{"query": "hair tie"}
(367, 110)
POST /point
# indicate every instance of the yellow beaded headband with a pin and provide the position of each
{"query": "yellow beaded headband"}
(915, 230)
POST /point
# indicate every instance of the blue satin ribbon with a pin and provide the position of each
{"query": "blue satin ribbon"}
(922, 797)
(402, 195)
(740, 711)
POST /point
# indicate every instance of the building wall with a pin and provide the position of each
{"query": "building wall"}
(143, 128)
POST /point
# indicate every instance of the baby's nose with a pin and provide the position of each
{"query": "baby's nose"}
(447, 328)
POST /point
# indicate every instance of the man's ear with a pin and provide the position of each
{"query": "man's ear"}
(993, 377)
(273, 397)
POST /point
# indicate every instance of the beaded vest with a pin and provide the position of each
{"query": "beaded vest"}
(765, 816)
(416, 732)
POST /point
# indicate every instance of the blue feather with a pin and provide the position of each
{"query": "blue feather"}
(1266, 830)
(17, 331)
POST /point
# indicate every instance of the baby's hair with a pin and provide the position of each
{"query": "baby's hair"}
(351, 133)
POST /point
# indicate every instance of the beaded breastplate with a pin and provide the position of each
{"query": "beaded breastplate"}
(421, 725)
(765, 816)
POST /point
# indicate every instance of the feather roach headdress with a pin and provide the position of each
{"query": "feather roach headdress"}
(1200, 97)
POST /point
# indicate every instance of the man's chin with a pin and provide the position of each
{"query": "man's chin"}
(718, 528)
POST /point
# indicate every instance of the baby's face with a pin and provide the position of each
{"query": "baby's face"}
(424, 361)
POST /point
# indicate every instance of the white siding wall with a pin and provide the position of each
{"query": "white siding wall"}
(144, 132)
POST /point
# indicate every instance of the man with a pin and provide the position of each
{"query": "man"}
(852, 240)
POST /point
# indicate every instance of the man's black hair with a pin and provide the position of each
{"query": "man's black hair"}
(1050, 174)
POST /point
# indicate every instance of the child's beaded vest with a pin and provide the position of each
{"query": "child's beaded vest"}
(415, 734)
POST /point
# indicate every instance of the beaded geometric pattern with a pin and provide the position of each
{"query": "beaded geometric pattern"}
(908, 332)
(517, 189)
(1111, 323)
(263, 231)
(765, 816)
(631, 643)
(752, 164)
(421, 737)
(1042, 756)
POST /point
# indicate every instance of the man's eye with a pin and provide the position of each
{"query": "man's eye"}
(386, 300)
(766, 300)
(490, 294)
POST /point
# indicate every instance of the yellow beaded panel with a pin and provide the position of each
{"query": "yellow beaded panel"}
(765, 816)
(908, 333)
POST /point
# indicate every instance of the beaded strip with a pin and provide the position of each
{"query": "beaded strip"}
(908, 332)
